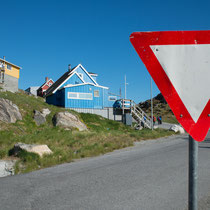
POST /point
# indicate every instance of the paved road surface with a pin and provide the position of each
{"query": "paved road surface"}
(151, 175)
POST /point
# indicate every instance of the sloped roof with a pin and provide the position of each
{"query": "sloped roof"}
(44, 83)
(2, 60)
(59, 82)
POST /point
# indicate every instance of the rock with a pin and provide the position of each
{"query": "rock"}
(35, 148)
(177, 128)
(68, 120)
(7, 167)
(9, 112)
(39, 118)
(45, 112)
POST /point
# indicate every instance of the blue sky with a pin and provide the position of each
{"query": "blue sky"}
(43, 37)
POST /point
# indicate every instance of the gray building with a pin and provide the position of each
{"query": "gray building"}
(9, 75)
(32, 90)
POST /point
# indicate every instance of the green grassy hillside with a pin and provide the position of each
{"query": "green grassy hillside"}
(103, 135)
(160, 107)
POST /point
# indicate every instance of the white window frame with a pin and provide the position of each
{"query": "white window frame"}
(98, 92)
(114, 97)
(78, 96)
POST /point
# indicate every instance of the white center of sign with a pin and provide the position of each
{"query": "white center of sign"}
(188, 69)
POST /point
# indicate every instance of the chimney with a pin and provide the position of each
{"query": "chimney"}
(4, 57)
(46, 79)
(69, 67)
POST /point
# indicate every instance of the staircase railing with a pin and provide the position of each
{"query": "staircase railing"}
(137, 113)
(140, 116)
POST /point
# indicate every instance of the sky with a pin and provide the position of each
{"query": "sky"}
(43, 37)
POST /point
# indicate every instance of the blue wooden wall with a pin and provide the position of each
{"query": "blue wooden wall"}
(57, 99)
(95, 103)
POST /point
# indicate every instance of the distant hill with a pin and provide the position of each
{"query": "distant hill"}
(160, 107)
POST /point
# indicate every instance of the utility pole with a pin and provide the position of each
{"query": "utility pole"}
(120, 93)
(125, 86)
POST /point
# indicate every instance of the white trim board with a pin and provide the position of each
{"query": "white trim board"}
(84, 84)
(71, 74)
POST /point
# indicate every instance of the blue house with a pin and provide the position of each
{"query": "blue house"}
(78, 89)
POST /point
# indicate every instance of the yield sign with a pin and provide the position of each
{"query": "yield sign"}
(179, 63)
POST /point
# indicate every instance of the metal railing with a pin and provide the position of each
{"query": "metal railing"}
(137, 113)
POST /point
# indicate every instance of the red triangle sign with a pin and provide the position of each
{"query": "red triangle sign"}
(179, 63)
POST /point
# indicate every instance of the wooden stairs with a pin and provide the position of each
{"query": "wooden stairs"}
(129, 106)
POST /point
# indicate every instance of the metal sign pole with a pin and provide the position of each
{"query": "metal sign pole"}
(152, 126)
(193, 174)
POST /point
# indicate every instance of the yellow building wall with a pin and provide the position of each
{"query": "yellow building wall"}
(14, 72)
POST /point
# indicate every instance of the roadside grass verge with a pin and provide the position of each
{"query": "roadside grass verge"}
(103, 135)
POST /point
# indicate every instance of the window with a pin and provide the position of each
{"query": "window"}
(82, 96)
(96, 93)
(112, 98)
(81, 75)
(72, 95)
(9, 67)
(50, 83)
(87, 96)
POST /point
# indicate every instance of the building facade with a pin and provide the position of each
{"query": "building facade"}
(78, 89)
(9, 75)
(41, 91)
(32, 90)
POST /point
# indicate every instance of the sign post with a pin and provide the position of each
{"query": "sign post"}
(193, 174)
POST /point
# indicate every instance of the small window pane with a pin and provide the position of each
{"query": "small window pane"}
(112, 98)
(72, 95)
(9, 67)
(87, 96)
(96, 93)
(81, 75)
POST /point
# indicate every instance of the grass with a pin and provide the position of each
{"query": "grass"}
(103, 135)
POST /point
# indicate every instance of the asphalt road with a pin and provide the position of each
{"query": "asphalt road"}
(152, 175)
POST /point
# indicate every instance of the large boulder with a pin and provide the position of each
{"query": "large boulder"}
(39, 118)
(40, 149)
(68, 120)
(9, 112)
(177, 128)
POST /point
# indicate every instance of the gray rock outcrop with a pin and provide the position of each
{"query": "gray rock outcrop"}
(9, 112)
(69, 121)
(40, 149)
(177, 128)
(40, 117)
(45, 112)
(6, 167)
